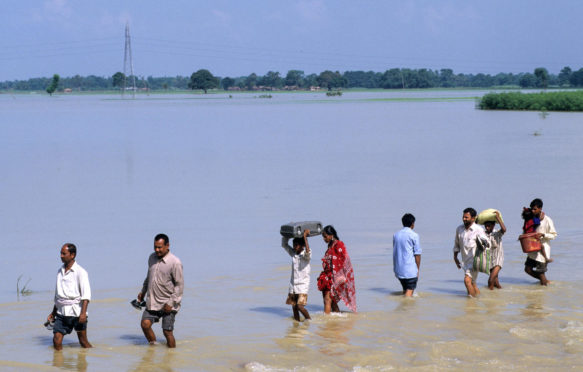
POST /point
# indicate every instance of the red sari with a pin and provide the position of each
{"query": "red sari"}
(338, 275)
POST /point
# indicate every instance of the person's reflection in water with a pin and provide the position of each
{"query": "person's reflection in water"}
(407, 304)
(71, 360)
(332, 331)
(535, 305)
(294, 337)
(149, 361)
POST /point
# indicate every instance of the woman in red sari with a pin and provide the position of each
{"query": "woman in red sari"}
(336, 281)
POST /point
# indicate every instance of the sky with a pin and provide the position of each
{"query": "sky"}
(239, 37)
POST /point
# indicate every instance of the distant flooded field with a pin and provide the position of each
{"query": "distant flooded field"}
(221, 174)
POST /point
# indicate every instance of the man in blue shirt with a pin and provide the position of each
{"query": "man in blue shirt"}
(407, 255)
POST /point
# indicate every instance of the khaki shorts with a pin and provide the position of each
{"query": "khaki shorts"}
(297, 299)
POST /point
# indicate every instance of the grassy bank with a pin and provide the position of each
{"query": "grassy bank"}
(543, 101)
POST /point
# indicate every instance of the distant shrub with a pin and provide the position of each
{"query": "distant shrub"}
(333, 93)
(543, 101)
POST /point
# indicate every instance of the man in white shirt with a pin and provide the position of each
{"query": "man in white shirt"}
(536, 262)
(72, 296)
(466, 242)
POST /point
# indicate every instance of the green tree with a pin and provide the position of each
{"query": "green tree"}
(271, 79)
(527, 81)
(54, 84)
(251, 81)
(294, 78)
(446, 78)
(393, 79)
(565, 76)
(330, 80)
(542, 77)
(227, 82)
(203, 79)
(118, 79)
(576, 79)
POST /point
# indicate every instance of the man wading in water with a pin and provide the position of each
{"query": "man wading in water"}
(163, 286)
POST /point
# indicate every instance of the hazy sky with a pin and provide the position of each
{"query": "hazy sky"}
(238, 37)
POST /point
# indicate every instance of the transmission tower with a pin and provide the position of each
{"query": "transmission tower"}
(128, 58)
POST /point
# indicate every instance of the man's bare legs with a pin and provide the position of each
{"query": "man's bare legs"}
(471, 286)
(82, 336)
(540, 276)
(493, 279)
(148, 332)
(58, 341)
(408, 292)
(170, 341)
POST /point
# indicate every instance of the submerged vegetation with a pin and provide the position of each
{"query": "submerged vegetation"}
(333, 93)
(22, 290)
(543, 101)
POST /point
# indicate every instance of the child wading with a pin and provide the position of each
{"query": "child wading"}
(299, 283)
(495, 237)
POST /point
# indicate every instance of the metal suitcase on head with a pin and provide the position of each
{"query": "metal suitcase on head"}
(296, 229)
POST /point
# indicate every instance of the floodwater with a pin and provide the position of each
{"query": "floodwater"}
(220, 175)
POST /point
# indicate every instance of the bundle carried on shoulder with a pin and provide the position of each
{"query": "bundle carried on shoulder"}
(488, 215)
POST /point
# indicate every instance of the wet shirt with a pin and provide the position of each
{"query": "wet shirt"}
(164, 283)
(72, 287)
(465, 243)
(299, 282)
(405, 247)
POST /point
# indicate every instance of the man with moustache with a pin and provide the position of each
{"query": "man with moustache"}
(466, 242)
(163, 288)
(72, 296)
(536, 262)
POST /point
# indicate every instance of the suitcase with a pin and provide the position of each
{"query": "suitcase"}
(296, 229)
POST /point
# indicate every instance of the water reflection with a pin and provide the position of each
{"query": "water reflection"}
(155, 358)
(535, 304)
(333, 332)
(72, 360)
(407, 304)
(295, 337)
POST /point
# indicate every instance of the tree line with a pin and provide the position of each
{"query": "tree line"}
(396, 78)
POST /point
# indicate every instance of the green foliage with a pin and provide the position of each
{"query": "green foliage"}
(394, 78)
(271, 80)
(250, 82)
(203, 79)
(543, 101)
(118, 79)
(294, 78)
(331, 80)
(227, 82)
(332, 93)
(542, 77)
(54, 85)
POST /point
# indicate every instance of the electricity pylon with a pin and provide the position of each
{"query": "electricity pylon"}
(128, 58)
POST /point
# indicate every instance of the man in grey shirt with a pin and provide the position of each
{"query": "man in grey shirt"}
(163, 288)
